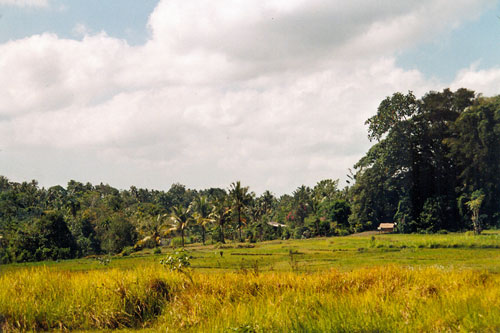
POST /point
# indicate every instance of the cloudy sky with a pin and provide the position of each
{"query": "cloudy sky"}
(273, 93)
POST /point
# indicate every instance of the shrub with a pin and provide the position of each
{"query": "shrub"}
(128, 250)
(177, 261)
(176, 242)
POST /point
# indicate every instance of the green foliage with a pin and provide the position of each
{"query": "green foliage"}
(118, 233)
(337, 211)
(47, 238)
(240, 198)
(179, 260)
(128, 250)
(474, 205)
(430, 155)
(433, 215)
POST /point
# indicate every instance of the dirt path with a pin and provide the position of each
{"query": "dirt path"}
(365, 233)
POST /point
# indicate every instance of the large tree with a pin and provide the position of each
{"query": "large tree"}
(475, 148)
(409, 167)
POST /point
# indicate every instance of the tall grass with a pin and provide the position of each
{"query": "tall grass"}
(488, 240)
(387, 298)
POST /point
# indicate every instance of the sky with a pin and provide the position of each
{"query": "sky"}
(272, 93)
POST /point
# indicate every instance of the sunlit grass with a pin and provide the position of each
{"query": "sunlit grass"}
(388, 298)
(377, 282)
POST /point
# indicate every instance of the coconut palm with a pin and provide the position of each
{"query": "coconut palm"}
(180, 217)
(240, 198)
(201, 216)
(221, 214)
(153, 228)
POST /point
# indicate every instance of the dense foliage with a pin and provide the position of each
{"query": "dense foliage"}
(432, 154)
(435, 165)
(85, 219)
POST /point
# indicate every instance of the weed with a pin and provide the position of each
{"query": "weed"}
(294, 263)
(103, 260)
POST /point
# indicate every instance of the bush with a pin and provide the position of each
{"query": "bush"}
(299, 232)
(176, 242)
(128, 250)
(177, 261)
(119, 233)
(157, 250)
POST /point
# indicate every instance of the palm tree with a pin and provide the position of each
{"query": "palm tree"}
(267, 201)
(221, 213)
(474, 205)
(180, 217)
(201, 208)
(240, 198)
(153, 228)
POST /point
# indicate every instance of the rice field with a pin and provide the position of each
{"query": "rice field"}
(389, 283)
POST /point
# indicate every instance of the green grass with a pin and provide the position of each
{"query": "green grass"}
(457, 250)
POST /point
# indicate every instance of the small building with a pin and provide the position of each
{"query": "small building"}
(276, 224)
(386, 227)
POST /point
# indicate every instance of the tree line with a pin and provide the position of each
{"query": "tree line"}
(433, 166)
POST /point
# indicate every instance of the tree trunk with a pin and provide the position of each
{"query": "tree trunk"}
(182, 237)
(221, 233)
(239, 224)
(203, 234)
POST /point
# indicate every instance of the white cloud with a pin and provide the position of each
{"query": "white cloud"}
(274, 93)
(485, 81)
(25, 3)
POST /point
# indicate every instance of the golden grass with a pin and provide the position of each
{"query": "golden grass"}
(386, 298)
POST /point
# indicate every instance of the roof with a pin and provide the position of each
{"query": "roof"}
(386, 225)
(276, 224)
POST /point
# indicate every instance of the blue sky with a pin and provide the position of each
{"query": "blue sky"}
(474, 41)
(273, 93)
(126, 19)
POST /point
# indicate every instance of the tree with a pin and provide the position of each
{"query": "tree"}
(180, 217)
(118, 233)
(475, 148)
(153, 227)
(474, 205)
(201, 213)
(48, 238)
(221, 214)
(411, 161)
(240, 199)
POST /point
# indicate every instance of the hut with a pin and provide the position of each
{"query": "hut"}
(386, 227)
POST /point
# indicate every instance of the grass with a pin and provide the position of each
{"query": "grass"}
(354, 284)
(457, 250)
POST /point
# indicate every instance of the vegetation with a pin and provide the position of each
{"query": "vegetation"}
(434, 167)
(431, 155)
(442, 282)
